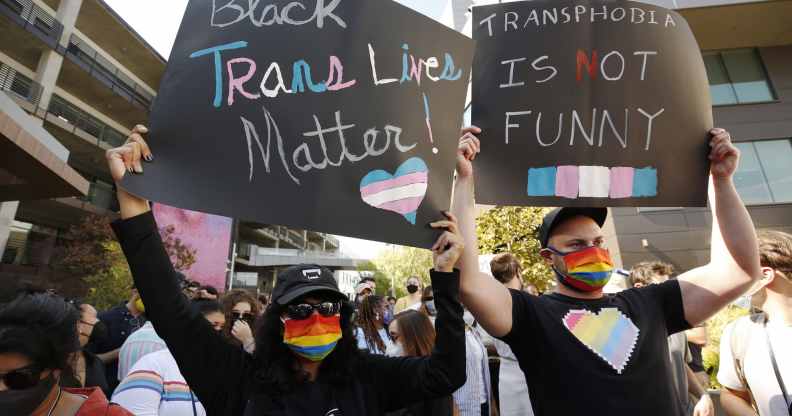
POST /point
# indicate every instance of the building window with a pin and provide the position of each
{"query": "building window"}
(737, 77)
(763, 176)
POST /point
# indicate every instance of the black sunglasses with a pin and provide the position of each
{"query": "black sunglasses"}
(304, 310)
(243, 316)
(22, 378)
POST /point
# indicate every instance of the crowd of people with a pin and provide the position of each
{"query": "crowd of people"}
(466, 342)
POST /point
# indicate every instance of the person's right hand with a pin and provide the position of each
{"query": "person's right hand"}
(469, 147)
(127, 158)
(448, 247)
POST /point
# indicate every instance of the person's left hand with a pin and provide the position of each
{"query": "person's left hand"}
(704, 407)
(724, 156)
(241, 331)
(448, 247)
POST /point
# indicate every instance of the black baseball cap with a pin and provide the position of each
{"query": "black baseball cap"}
(299, 280)
(559, 215)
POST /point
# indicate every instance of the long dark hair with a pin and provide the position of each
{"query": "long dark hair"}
(368, 317)
(416, 333)
(278, 368)
(41, 327)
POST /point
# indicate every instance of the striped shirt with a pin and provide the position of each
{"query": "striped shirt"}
(476, 390)
(143, 341)
(155, 386)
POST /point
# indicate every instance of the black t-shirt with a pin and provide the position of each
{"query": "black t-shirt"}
(598, 357)
(697, 365)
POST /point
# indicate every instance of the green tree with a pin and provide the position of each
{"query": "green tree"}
(383, 281)
(91, 250)
(401, 263)
(110, 286)
(711, 353)
(514, 230)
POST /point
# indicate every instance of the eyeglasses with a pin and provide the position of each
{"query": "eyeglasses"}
(22, 378)
(243, 316)
(305, 310)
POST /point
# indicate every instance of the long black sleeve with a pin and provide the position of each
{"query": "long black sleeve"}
(403, 381)
(217, 371)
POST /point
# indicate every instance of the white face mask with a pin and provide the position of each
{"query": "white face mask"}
(394, 350)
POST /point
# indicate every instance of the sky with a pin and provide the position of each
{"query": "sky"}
(157, 21)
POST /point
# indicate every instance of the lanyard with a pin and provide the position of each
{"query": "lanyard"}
(777, 372)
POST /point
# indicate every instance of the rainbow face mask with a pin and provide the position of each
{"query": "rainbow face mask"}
(313, 338)
(588, 270)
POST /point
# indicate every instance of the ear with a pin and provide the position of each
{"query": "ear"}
(637, 285)
(768, 274)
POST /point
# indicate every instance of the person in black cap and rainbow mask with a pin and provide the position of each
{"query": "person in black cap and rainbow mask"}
(585, 352)
(306, 360)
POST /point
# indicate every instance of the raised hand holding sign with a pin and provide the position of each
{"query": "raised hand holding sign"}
(594, 103)
(337, 116)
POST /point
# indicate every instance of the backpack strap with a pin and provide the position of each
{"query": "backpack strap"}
(777, 372)
(740, 337)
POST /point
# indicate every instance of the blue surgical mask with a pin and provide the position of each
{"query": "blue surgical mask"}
(430, 307)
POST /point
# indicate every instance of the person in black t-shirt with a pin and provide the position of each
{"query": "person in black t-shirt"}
(306, 360)
(584, 352)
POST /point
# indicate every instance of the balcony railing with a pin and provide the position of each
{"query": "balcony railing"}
(33, 19)
(20, 85)
(104, 70)
(82, 120)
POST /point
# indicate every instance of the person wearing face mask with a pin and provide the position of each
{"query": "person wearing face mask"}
(121, 321)
(413, 298)
(38, 340)
(155, 386)
(596, 352)
(371, 332)
(427, 305)
(241, 311)
(306, 360)
(756, 351)
(86, 369)
(414, 336)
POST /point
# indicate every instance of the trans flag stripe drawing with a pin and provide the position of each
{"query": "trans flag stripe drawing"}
(574, 182)
(401, 192)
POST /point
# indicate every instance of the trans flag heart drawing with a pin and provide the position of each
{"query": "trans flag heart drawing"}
(609, 334)
(401, 192)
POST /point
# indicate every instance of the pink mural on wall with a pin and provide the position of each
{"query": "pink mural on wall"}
(209, 235)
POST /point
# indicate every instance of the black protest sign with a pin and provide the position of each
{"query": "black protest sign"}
(339, 116)
(589, 103)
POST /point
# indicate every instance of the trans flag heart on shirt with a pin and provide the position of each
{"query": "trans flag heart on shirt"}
(609, 334)
(401, 192)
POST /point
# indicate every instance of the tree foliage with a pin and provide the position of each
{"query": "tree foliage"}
(91, 250)
(711, 353)
(401, 263)
(383, 281)
(514, 230)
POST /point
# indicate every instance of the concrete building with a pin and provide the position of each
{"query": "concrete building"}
(264, 250)
(85, 77)
(747, 49)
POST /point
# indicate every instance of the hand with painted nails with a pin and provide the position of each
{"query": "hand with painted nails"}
(724, 155)
(448, 247)
(129, 157)
(469, 147)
